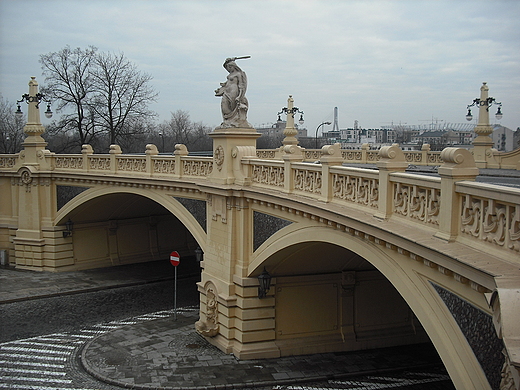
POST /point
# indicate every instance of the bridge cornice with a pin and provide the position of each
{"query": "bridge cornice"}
(466, 265)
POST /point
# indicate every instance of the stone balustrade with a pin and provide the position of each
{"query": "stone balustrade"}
(483, 214)
(365, 155)
(423, 157)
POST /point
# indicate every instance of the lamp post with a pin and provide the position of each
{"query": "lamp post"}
(162, 137)
(34, 143)
(69, 225)
(198, 254)
(34, 97)
(290, 130)
(483, 142)
(484, 102)
(317, 128)
(264, 284)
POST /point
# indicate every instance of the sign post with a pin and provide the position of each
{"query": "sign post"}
(175, 260)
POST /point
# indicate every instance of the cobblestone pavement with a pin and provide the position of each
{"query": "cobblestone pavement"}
(20, 285)
(153, 351)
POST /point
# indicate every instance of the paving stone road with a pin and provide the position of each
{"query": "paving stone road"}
(56, 359)
(53, 362)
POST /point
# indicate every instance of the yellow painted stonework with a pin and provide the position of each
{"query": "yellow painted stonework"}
(353, 268)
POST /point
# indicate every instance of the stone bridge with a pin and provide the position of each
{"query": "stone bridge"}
(356, 258)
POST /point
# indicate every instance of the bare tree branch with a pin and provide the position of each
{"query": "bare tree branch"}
(69, 83)
(122, 95)
(11, 128)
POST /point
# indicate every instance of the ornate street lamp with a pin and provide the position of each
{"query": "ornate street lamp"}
(317, 128)
(69, 225)
(198, 254)
(483, 143)
(291, 111)
(484, 102)
(31, 99)
(289, 131)
(264, 281)
(33, 128)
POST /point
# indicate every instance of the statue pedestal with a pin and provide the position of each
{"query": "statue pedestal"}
(230, 144)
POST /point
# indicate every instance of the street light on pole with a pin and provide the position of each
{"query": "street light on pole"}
(483, 143)
(290, 132)
(162, 137)
(33, 128)
(34, 97)
(484, 102)
(317, 128)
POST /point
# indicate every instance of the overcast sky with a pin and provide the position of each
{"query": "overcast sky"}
(377, 61)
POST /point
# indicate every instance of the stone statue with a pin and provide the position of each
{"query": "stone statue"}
(234, 103)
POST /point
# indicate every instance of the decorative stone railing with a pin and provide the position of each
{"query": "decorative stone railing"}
(8, 161)
(453, 206)
(423, 157)
(417, 200)
(490, 215)
(149, 164)
(365, 155)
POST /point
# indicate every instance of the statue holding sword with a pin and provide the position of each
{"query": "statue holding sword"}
(234, 104)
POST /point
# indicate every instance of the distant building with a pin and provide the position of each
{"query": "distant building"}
(439, 139)
(354, 137)
(277, 128)
(504, 138)
(410, 137)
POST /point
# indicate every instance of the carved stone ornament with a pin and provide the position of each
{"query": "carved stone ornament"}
(507, 382)
(209, 327)
(26, 179)
(218, 156)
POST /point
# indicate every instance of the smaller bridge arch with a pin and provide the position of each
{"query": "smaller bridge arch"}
(168, 201)
(126, 224)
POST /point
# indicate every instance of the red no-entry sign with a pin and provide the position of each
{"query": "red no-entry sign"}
(175, 258)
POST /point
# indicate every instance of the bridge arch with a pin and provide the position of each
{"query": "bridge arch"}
(412, 280)
(165, 200)
(115, 226)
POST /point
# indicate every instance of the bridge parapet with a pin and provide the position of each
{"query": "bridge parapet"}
(453, 206)
(490, 217)
(149, 165)
(477, 214)
(423, 157)
(365, 155)
(8, 161)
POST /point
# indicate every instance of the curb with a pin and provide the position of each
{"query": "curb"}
(91, 289)
(84, 363)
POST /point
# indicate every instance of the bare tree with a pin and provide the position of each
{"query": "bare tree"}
(121, 96)
(142, 130)
(103, 96)
(181, 130)
(69, 83)
(273, 141)
(180, 127)
(11, 128)
(201, 141)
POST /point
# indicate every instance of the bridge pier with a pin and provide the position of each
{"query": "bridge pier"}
(32, 194)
